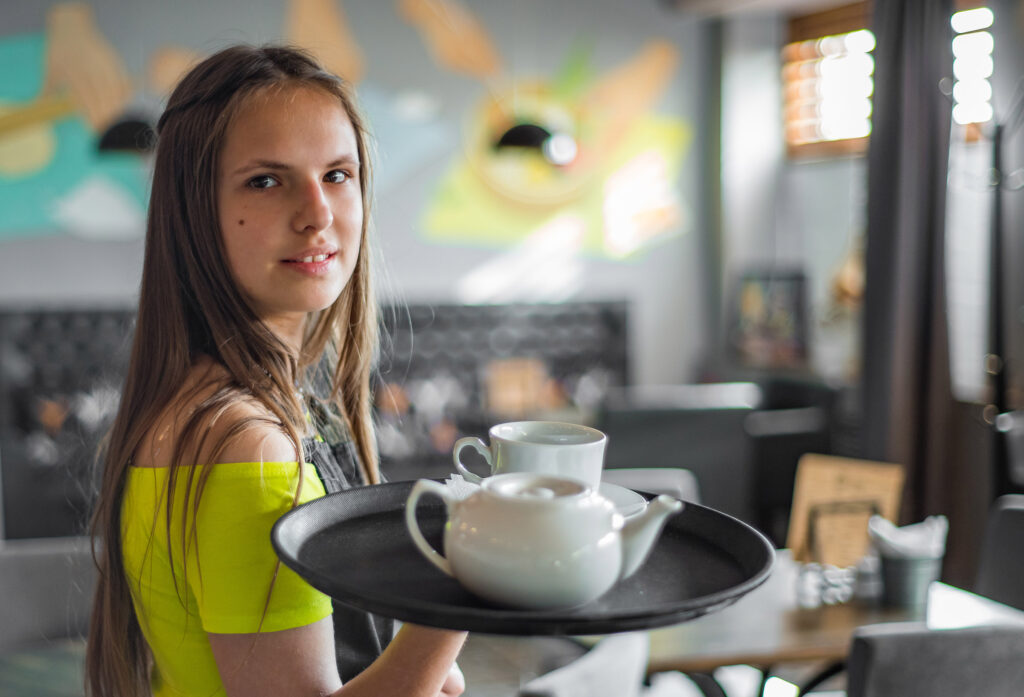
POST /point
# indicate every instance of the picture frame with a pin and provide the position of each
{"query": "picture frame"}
(769, 328)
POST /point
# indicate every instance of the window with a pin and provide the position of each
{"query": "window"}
(969, 203)
(827, 77)
(972, 66)
(827, 82)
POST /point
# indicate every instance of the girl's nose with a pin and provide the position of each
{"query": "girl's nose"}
(313, 210)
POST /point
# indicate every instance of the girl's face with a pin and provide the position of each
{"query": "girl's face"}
(290, 205)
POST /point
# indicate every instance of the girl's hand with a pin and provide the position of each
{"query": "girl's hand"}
(454, 684)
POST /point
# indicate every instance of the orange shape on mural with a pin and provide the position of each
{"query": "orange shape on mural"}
(455, 37)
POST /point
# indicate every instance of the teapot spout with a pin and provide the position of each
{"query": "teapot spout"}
(641, 532)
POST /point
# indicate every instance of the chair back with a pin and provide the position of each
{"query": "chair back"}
(1001, 566)
(901, 659)
(1010, 426)
(671, 481)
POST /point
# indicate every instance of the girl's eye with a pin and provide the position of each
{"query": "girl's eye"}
(263, 181)
(337, 176)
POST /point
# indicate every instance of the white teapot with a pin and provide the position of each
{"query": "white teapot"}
(537, 541)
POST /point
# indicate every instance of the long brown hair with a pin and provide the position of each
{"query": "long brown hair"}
(189, 306)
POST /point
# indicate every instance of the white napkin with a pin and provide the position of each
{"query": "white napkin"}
(614, 666)
(458, 486)
(924, 540)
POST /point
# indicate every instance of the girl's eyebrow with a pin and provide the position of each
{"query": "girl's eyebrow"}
(345, 160)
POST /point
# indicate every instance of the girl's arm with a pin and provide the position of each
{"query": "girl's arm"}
(301, 661)
(417, 663)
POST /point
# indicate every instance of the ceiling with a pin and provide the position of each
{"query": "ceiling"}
(718, 8)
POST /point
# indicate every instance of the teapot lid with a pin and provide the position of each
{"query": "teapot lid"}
(530, 486)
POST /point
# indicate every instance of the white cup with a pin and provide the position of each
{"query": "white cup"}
(545, 447)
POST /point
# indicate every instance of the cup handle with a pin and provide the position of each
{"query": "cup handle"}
(426, 486)
(477, 445)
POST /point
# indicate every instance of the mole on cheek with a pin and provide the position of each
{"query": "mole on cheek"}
(241, 222)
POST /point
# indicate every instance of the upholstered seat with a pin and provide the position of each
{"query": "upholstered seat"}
(898, 660)
(46, 590)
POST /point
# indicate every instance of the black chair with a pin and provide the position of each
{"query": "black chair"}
(1010, 471)
(671, 481)
(695, 427)
(1001, 567)
(903, 659)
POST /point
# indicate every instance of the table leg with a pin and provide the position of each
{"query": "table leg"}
(766, 673)
(824, 674)
(707, 684)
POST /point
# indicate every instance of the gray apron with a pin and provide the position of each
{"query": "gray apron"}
(359, 637)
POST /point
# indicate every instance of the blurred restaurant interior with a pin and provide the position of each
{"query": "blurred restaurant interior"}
(728, 234)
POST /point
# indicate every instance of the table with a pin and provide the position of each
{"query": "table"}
(768, 627)
(765, 628)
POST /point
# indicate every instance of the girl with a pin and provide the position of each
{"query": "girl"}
(248, 392)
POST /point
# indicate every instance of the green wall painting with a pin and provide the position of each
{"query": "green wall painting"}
(583, 153)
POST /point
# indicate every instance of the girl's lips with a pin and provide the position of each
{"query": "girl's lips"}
(317, 264)
(312, 255)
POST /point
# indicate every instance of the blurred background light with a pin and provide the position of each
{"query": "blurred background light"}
(973, 44)
(828, 94)
(972, 66)
(972, 20)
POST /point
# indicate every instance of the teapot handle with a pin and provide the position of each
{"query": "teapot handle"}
(426, 486)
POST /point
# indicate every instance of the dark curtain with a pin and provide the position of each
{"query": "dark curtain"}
(909, 413)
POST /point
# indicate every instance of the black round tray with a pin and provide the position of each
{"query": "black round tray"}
(354, 546)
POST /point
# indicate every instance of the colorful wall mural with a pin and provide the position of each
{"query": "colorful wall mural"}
(581, 155)
(583, 148)
(63, 122)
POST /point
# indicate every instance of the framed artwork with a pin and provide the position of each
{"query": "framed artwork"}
(770, 320)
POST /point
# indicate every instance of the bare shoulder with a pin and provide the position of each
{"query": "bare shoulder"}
(231, 426)
(251, 434)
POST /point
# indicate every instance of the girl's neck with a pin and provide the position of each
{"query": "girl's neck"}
(289, 329)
